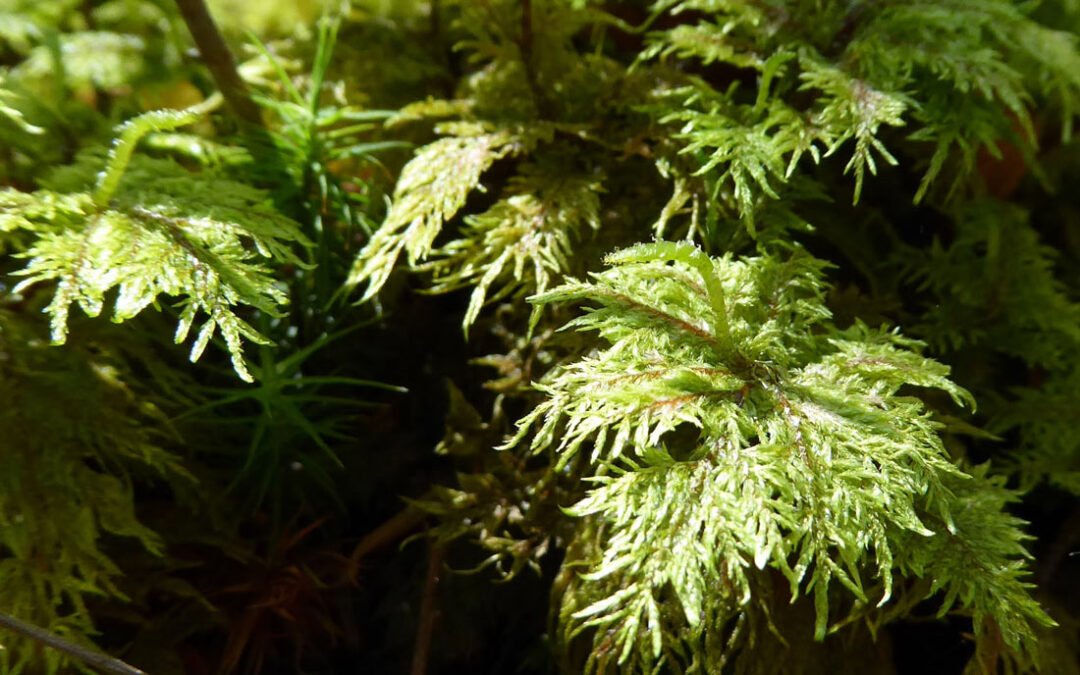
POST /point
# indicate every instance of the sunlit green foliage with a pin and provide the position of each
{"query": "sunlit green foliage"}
(723, 381)
(717, 371)
(527, 236)
(749, 442)
(154, 229)
(965, 72)
(432, 187)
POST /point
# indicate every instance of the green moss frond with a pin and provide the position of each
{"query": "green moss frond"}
(994, 285)
(68, 485)
(731, 429)
(152, 228)
(432, 188)
(524, 241)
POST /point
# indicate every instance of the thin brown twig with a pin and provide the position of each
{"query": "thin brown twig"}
(399, 525)
(89, 657)
(429, 612)
(527, 30)
(528, 57)
(219, 60)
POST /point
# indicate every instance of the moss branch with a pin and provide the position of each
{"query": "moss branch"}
(97, 660)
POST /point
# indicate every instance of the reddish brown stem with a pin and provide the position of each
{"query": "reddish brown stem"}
(401, 524)
(219, 60)
(429, 612)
